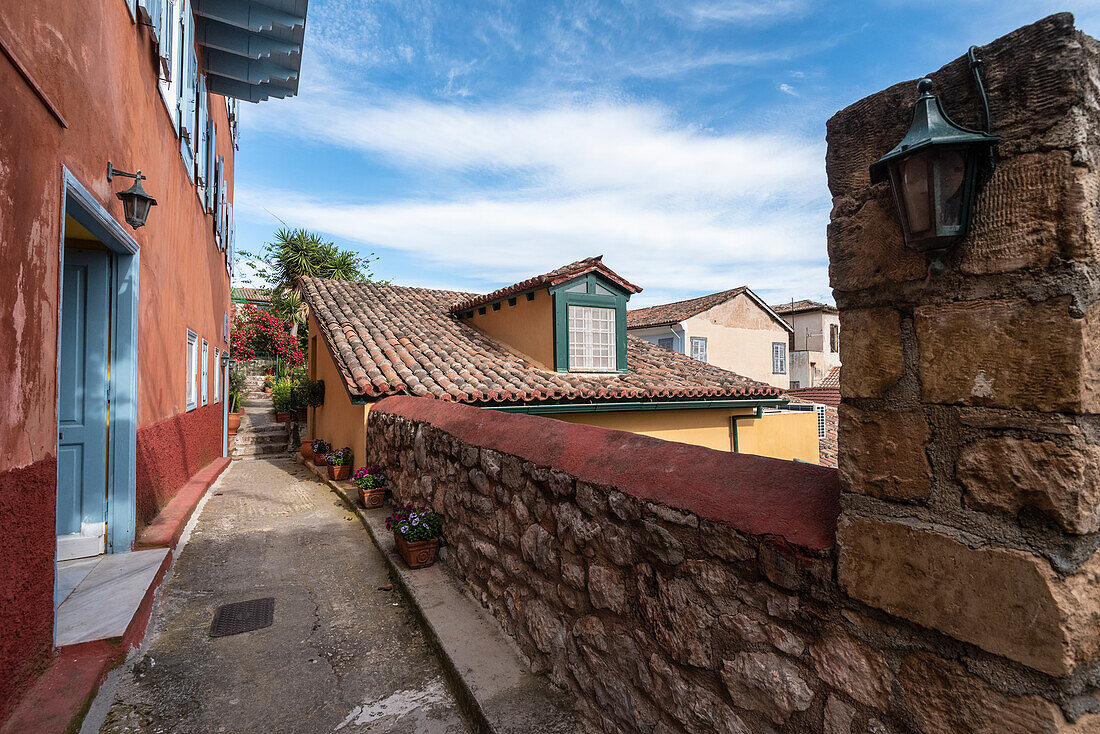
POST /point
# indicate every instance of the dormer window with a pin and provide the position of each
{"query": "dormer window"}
(591, 339)
(589, 325)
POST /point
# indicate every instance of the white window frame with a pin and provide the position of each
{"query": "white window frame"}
(205, 372)
(592, 348)
(779, 358)
(697, 341)
(192, 370)
(225, 327)
(834, 341)
(217, 366)
(171, 45)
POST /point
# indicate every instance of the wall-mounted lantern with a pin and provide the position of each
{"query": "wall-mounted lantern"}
(135, 202)
(936, 172)
(228, 361)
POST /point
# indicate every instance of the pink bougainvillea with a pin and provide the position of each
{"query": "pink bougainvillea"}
(261, 333)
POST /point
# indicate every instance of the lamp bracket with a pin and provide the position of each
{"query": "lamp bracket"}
(112, 172)
(975, 67)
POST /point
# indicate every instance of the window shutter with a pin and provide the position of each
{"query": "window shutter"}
(160, 12)
(205, 369)
(211, 172)
(188, 89)
(231, 241)
(699, 348)
(217, 210)
(202, 129)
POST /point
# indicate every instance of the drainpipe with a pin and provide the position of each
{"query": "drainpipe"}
(756, 415)
(225, 410)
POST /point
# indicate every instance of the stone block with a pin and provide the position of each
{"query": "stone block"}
(851, 667)
(767, 683)
(1009, 473)
(945, 698)
(865, 245)
(606, 588)
(871, 351)
(1010, 354)
(882, 453)
(1005, 601)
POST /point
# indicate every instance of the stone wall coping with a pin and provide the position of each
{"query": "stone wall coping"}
(797, 502)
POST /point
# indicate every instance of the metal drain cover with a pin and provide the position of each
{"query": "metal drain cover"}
(243, 616)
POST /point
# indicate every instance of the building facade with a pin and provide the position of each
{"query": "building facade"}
(113, 334)
(553, 345)
(815, 341)
(733, 329)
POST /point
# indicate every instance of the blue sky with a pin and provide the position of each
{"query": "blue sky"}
(473, 144)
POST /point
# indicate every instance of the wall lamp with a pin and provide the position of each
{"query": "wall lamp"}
(936, 172)
(135, 202)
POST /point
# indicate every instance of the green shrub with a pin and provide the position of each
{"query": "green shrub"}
(281, 397)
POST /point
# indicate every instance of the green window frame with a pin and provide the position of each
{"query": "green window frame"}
(599, 293)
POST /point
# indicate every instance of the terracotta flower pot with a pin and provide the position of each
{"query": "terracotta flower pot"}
(338, 473)
(372, 498)
(307, 450)
(233, 423)
(420, 554)
(281, 416)
(267, 389)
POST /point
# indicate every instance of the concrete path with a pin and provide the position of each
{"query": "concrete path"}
(341, 656)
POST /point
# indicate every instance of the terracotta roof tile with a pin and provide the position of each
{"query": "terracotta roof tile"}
(560, 275)
(802, 306)
(824, 395)
(831, 379)
(250, 294)
(390, 339)
(673, 313)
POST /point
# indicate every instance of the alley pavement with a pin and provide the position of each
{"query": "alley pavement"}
(341, 656)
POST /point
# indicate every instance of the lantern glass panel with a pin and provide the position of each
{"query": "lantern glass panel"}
(950, 168)
(914, 191)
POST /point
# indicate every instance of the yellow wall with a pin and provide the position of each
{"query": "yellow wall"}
(739, 337)
(527, 327)
(700, 427)
(780, 435)
(338, 421)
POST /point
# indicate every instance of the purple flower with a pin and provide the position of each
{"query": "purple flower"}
(404, 529)
(414, 520)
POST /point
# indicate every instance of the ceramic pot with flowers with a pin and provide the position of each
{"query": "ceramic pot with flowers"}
(416, 533)
(372, 486)
(339, 464)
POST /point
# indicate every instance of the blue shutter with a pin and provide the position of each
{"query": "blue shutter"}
(202, 133)
(231, 239)
(211, 171)
(219, 197)
(188, 89)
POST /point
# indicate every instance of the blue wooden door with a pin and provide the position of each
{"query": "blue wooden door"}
(82, 399)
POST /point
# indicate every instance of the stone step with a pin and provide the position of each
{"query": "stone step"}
(256, 450)
(261, 439)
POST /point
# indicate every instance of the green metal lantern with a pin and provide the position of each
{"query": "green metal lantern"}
(935, 173)
(135, 202)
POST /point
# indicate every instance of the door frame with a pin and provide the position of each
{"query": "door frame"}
(79, 203)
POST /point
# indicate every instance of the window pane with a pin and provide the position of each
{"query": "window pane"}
(591, 338)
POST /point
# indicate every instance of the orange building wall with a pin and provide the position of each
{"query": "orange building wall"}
(95, 65)
(527, 327)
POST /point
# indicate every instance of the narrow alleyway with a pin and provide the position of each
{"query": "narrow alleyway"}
(341, 655)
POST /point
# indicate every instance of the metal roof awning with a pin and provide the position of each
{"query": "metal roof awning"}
(251, 49)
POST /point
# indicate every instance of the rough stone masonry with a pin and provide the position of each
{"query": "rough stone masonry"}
(969, 432)
(673, 588)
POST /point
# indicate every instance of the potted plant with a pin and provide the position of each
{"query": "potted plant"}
(372, 485)
(280, 398)
(233, 418)
(318, 450)
(269, 383)
(416, 533)
(339, 463)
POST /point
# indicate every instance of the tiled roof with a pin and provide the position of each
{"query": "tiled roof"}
(250, 294)
(673, 313)
(560, 275)
(831, 379)
(824, 395)
(389, 339)
(802, 306)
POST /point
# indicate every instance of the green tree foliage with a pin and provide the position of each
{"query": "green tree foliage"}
(295, 253)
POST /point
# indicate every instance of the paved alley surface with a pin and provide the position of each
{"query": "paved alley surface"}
(341, 656)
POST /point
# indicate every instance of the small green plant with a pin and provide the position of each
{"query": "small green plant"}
(281, 397)
(369, 477)
(415, 523)
(299, 375)
(341, 457)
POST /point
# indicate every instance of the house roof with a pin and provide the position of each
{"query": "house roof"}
(388, 339)
(831, 379)
(554, 277)
(823, 395)
(260, 295)
(802, 306)
(668, 314)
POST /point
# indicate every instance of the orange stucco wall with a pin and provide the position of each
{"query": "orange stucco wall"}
(95, 65)
(527, 327)
(338, 421)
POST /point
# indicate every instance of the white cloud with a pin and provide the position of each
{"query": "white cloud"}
(743, 11)
(788, 89)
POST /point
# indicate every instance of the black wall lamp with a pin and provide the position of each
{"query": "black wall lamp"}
(135, 202)
(936, 172)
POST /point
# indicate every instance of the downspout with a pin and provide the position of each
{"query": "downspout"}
(756, 415)
(225, 410)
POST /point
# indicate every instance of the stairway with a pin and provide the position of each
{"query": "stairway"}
(259, 436)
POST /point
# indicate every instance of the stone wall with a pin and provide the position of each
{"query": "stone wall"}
(969, 435)
(675, 588)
